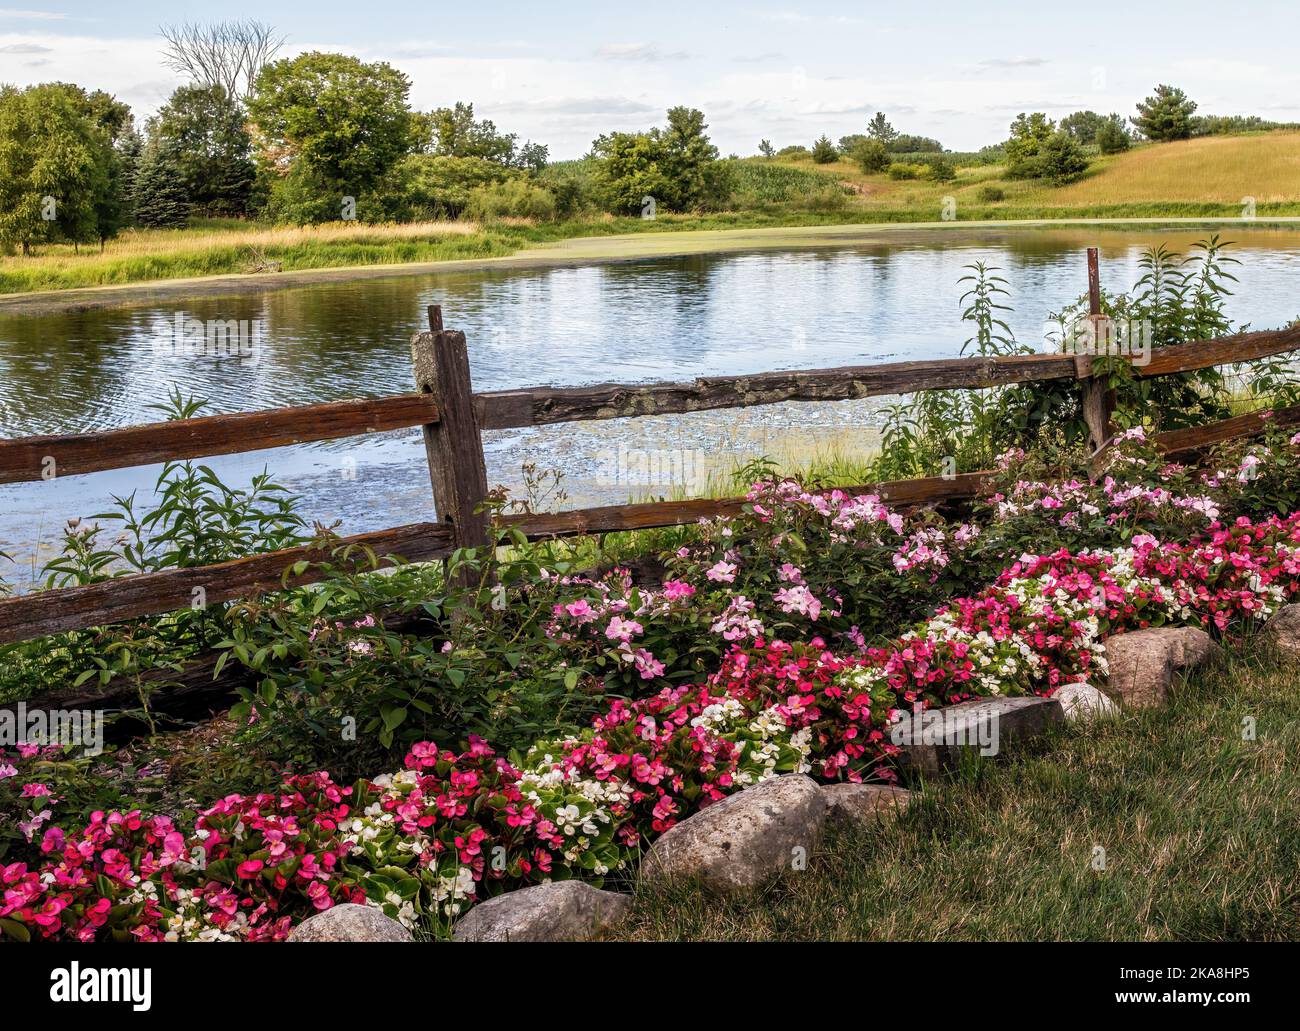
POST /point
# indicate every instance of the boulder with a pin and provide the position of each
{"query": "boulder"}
(935, 740)
(347, 922)
(743, 841)
(1083, 702)
(864, 805)
(558, 911)
(1284, 630)
(1141, 664)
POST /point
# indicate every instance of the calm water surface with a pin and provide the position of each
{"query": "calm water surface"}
(667, 318)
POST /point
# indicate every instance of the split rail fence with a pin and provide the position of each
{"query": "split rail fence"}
(453, 416)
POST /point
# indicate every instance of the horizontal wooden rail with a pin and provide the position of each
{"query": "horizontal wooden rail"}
(75, 608)
(37, 458)
(1205, 354)
(544, 405)
(1197, 438)
(504, 409)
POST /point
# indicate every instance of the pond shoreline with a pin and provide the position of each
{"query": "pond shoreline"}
(587, 250)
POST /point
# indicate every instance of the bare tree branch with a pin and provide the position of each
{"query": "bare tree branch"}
(229, 54)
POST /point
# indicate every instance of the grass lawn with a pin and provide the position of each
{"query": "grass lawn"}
(1200, 831)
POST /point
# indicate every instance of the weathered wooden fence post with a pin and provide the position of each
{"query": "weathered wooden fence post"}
(440, 362)
(1098, 400)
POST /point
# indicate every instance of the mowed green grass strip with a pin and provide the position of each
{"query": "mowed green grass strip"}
(1196, 830)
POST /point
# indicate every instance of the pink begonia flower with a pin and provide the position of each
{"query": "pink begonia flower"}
(7, 771)
(722, 572)
(791, 573)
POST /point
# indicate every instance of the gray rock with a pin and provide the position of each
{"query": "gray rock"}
(1142, 663)
(350, 923)
(1284, 630)
(984, 726)
(864, 805)
(558, 911)
(743, 841)
(1084, 702)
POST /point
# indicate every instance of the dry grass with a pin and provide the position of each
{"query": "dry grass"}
(1219, 169)
(204, 237)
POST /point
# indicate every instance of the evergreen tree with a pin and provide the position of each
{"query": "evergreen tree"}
(158, 199)
(1112, 136)
(1165, 115)
(824, 152)
(880, 129)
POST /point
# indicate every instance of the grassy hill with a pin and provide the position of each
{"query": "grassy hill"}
(1209, 176)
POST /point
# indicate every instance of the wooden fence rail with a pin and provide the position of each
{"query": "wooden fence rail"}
(452, 417)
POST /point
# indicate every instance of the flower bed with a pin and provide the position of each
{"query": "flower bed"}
(452, 828)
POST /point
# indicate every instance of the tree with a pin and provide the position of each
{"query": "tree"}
(677, 167)
(1083, 125)
(1165, 115)
(1112, 135)
(158, 198)
(880, 129)
(229, 54)
(454, 132)
(941, 171)
(824, 152)
(766, 149)
(1028, 134)
(335, 125)
(1061, 159)
(204, 128)
(56, 165)
(872, 154)
(906, 144)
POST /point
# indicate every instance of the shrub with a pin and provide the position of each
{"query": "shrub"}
(941, 171)
(990, 194)
(514, 198)
(824, 152)
(871, 155)
(905, 171)
(1112, 136)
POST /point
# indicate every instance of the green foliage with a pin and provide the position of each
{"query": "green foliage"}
(514, 198)
(872, 155)
(1028, 135)
(1165, 115)
(824, 152)
(1112, 135)
(760, 185)
(906, 170)
(1061, 159)
(1083, 126)
(989, 194)
(331, 126)
(880, 129)
(677, 166)
(204, 131)
(942, 432)
(454, 132)
(907, 144)
(766, 149)
(59, 174)
(158, 197)
(437, 186)
(941, 171)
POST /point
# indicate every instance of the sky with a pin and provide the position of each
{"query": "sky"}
(562, 73)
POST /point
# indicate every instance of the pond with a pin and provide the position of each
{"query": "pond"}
(636, 320)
